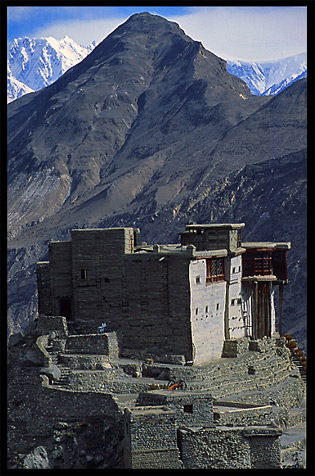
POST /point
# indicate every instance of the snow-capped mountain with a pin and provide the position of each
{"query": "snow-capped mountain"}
(271, 77)
(15, 88)
(35, 63)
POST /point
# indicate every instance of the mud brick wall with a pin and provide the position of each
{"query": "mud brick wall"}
(157, 305)
(98, 275)
(60, 258)
(43, 285)
(150, 438)
(143, 297)
(179, 326)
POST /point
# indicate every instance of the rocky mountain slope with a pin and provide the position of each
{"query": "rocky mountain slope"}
(36, 63)
(33, 63)
(270, 77)
(147, 129)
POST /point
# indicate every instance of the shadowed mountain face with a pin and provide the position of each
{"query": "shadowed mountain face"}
(146, 128)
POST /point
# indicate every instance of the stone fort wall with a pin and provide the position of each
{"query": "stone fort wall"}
(143, 298)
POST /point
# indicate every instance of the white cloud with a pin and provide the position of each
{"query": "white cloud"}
(81, 31)
(246, 33)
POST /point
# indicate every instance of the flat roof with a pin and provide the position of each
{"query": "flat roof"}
(178, 249)
(216, 225)
(266, 244)
(150, 410)
(262, 278)
(103, 229)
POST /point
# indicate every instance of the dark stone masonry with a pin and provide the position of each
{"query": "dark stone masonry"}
(157, 357)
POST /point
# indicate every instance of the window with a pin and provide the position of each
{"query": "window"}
(196, 311)
(215, 269)
(197, 279)
(234, 270)
(263, 263)
(188, 408)
(207, 309)
(65, 308)
(218, 306)
(83, 273)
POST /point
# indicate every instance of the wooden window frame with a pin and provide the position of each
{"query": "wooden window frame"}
(215, 269)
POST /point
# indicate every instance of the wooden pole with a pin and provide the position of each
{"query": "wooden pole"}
(280, 307)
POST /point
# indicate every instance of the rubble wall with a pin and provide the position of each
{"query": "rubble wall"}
(150, 438)
(230, 448)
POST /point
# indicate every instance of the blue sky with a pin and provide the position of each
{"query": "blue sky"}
(246, 33)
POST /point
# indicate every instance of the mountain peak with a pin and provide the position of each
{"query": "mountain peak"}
(148, 24)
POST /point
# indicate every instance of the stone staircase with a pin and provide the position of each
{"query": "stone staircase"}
(63, 379)
(298, 364)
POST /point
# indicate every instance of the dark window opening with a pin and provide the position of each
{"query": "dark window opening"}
(188, 408)
(83, 273)
(216, 416)
(65, 308)
(107, 280)
(215, 269)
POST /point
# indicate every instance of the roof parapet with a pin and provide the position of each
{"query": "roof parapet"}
(267, 244)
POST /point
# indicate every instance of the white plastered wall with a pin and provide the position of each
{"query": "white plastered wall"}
(237, 306)
(207, 306)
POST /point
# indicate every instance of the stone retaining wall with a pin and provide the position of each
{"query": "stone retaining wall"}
(249, 416)
(48, 324)
(110, 380)
(150, 438)
(287, 394)
(191, 408)
(84, 362)
(230, 448)
(104, 344)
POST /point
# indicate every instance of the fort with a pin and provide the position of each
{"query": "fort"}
(179, 345)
